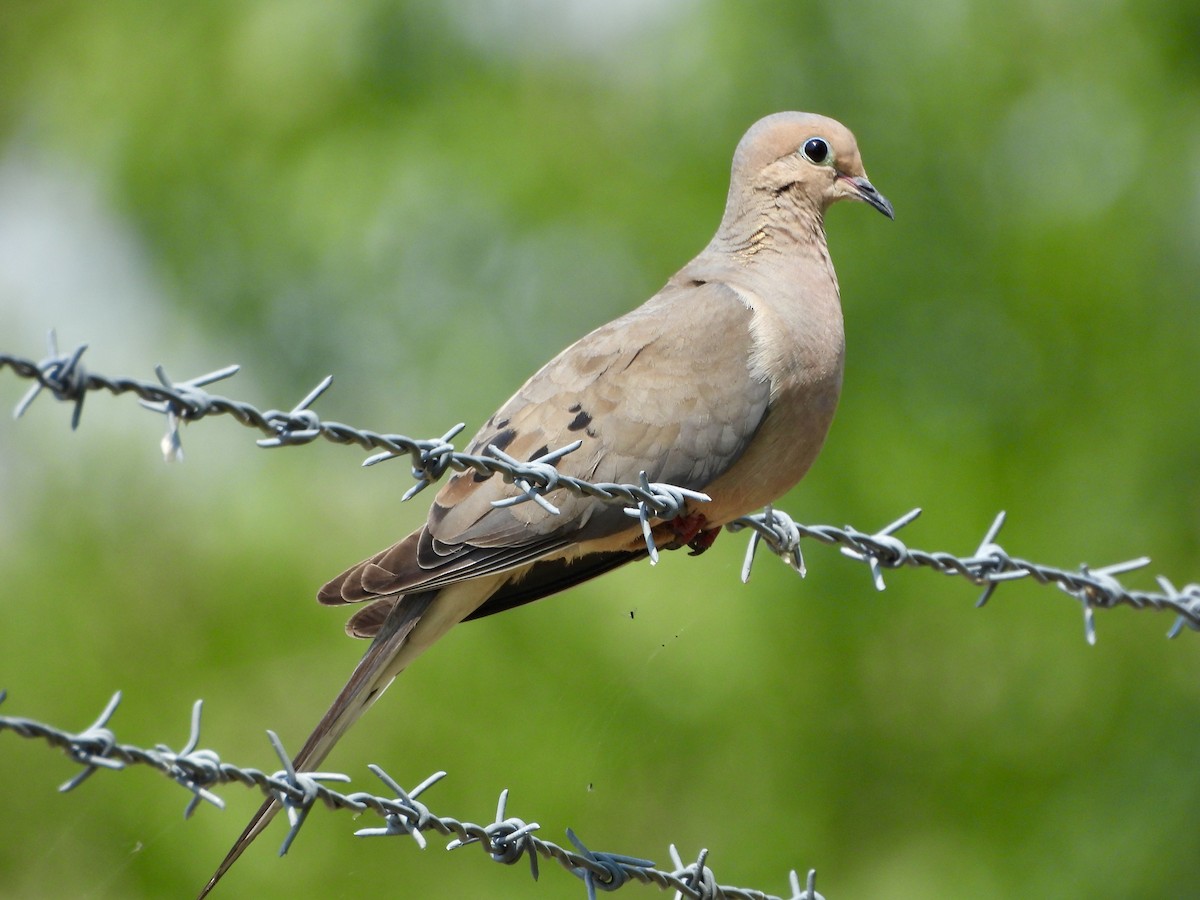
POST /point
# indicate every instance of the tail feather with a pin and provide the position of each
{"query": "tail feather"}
(374, 672)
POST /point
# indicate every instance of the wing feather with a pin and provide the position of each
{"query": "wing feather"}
(658, 390)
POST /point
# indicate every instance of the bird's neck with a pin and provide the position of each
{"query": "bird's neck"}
(778, 238)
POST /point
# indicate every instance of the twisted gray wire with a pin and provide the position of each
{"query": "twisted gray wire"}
(506, 840)
(64, 375)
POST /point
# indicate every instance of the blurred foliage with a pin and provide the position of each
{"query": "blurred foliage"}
(428, 202)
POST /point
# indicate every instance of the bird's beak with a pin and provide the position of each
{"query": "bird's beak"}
(863, 190)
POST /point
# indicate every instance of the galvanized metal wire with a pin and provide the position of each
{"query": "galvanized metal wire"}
(64, 375)
(507, 839)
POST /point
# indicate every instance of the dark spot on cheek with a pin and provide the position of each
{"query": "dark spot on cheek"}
(582, 420)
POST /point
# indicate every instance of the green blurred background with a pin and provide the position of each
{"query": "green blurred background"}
(428, 203)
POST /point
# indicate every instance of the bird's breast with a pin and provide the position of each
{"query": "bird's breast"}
(799, 348)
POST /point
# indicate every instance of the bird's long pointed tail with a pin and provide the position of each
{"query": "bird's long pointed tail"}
(374, 672)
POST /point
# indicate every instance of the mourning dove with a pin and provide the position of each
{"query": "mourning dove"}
(725, 382)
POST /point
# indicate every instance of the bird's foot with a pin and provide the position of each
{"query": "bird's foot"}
(689, 531)
(702, 541)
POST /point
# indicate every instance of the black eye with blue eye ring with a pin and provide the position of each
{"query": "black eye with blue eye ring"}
(816, 150)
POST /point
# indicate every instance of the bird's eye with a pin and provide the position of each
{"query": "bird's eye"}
(816, 150)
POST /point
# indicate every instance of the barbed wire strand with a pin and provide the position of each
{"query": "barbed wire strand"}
(506, 840)
(65, 376)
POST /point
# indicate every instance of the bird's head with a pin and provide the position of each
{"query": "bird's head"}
(812, 157)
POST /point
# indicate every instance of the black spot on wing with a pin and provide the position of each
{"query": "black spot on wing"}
(583, 420)
(500, 442)
(503, 439)
(540, 451)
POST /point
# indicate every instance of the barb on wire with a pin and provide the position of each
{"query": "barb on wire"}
(506, 840)
(398, 823)
(781, 534)
(305, 787)
(63, 375)
(675, 502)
(542, 473)
(988, 567)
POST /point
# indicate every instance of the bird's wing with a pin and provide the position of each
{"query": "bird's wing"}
(668, 389)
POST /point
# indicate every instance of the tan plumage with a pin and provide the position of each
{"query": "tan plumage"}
(725, 381)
